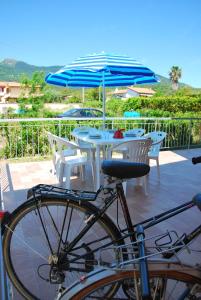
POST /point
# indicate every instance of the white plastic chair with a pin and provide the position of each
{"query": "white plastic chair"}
(131, 132)
(157, 138)
(85, 147)
(135, 131)
(66, 156)
(52, 139)
(137, 151)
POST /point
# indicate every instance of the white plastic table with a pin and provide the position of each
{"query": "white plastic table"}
(106, 138)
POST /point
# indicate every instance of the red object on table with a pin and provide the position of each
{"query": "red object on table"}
(118, 134)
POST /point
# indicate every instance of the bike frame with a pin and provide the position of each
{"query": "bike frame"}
(129, 231)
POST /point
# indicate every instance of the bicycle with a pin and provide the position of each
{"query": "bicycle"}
(141, 277)
(52, 213)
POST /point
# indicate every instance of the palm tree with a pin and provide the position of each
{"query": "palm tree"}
(175, 75)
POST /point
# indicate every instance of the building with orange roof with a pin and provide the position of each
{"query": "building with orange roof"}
(133, 92)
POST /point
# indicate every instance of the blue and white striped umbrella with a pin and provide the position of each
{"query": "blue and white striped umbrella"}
(104, 70)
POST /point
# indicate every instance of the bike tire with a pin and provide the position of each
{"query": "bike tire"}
(20, 259)
(92, 286)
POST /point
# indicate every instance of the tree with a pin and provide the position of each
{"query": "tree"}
(92, 94)
(175, 75)
(33, 86)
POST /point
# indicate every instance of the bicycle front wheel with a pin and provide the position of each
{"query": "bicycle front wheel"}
(168, 283)
(36, 245)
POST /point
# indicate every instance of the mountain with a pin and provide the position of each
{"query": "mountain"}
(12, 70)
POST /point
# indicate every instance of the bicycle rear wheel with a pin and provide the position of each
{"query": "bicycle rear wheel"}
(35, 233)
(170, 282)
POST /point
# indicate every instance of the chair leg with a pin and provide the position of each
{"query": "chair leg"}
(82, 171)
(92, 160)
(145, 185)
(54, 162)
(67, 175)
(158, 168)
(93, 171)
(149, 165)
(124, 187)
(60, 173)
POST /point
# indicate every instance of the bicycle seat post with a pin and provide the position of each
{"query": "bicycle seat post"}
(124, 205)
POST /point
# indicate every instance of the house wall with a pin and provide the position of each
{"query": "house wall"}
(7, 90)
(131, 94)
(14, 91)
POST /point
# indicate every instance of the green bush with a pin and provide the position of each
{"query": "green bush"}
(93, 104)
(114, 107)
(173, 104)
(155, 113)
(74, 99)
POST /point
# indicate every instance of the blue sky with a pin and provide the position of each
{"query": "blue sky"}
(158, 33)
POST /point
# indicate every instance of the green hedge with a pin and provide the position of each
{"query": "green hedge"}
(173, 104)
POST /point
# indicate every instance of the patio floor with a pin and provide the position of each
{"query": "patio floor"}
(179, 181)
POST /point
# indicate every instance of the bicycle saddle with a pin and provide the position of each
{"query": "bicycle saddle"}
(124, 169)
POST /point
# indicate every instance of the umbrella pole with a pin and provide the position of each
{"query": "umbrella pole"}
(83, 95)
(104, 98)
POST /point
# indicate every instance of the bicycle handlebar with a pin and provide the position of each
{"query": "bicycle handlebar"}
(196, 160)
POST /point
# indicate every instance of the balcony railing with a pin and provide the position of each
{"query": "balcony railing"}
(27, 137)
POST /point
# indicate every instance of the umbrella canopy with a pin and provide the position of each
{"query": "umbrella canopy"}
(88, 71)
(104, 70)
(92, 79)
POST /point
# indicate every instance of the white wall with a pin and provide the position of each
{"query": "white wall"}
(131, 94)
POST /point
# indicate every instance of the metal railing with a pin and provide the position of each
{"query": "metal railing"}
(27, 137)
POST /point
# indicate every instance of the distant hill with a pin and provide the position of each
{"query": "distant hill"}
(12, 70)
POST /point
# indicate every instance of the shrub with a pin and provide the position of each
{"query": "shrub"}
(74, 99)
(173, 104)
(114, 107)
(93, 104)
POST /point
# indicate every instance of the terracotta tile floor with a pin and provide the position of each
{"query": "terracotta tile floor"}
(179, 181)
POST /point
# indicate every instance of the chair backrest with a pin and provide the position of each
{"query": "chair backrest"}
(137, 150)
(135, 131)
(60, 147)
(65, 147)
(157, 138)
(52, 141)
